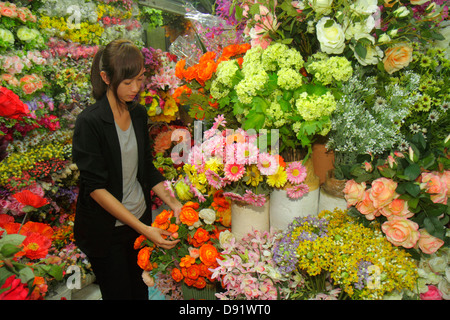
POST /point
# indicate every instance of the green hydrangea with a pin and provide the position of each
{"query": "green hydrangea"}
(289, 79)
(312, 107)
(330, 69)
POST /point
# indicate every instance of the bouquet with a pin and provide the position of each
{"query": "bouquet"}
(247, 269)
(407, 194)
(334, 250)
(238, 163)
(191, 260)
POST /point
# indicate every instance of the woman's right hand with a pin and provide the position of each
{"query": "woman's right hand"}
(156, 236)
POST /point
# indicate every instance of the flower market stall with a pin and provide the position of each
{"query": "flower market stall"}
(244, 100)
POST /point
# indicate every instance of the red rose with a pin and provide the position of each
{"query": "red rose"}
(17, 289)
(10, 104)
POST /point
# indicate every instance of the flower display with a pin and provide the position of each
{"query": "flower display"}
(407, 193)
(231, 161)
(191, 260)
(247, 269)
(334, 248)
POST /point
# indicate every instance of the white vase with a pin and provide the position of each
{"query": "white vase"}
(284, 210)
(246, 218)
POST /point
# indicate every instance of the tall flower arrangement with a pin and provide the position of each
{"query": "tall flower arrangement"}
(407, 193)
(238, 163)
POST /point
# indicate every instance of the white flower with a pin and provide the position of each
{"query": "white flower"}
(225, 237)
(332, 38)
(6, 36)
(208, 215)
(26, 34)
(352, 29)
(373, 53)
(321, 6)
(401, 12)
(365, 6)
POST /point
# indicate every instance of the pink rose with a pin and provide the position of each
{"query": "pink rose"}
(397, 207)
(366, 207)
(354, 192)
(427, 243)
(194, 252)
(436, 186)
(382, 192)
(433, 293)
(401, 232)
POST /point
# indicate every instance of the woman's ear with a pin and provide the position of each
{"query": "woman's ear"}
(105, 77)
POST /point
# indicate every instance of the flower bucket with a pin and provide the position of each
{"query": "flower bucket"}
(283, 209)
(193, 293)
(245, 218)
(331, 194)
(323, 161)
(60, 291)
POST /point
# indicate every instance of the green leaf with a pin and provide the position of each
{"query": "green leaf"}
(8, 250)
(360, 50)
(255, 120)
(412, 171)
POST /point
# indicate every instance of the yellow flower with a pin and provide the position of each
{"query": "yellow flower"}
(252, 176)
(278, 179)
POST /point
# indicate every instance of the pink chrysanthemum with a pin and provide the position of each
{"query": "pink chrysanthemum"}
(234, 171)
(296, 172)
(233, 196)
(214, 179)
(198, 194)
(297, 191)
(267, 164)
(251, 198)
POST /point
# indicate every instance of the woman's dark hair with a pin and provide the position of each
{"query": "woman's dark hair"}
(121, 60)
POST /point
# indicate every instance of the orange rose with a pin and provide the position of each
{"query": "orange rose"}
(193, 272)
(162, 220)
(397, 57)
(200, 237)
(177, 275)
(427, 243)
(383, 192)
(208, 254)
(144, 259)
(398, 207)
(200, 283)
(354, 192)
(188, 215)
(401, 232)
(205, 272)
(187, 261)
(366, 207)
(138, 242)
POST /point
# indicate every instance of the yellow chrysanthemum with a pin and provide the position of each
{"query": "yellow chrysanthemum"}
(278, 179)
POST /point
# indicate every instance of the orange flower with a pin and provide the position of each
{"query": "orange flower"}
(191, 73)
(179, 68)
(40, 288)
(177, 275)
(37, 227)
(144, 259)
(220, 203)
(162, 220)
(188, 215)
(281, 161)
(193, 272)
(206, 71)
(397, 57)
(208, 56)
(200, 237)
(173, 228)
(200, 283)
(179, 91)
(208, 254)
(35, 246)
(138, 242)
(187, 261)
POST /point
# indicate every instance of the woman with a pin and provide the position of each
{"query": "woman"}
(111, 148)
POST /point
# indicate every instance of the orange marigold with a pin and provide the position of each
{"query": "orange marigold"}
(179, 68)
(208, 254)
(177, 275)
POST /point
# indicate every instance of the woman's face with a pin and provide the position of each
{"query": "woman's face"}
(129, 88)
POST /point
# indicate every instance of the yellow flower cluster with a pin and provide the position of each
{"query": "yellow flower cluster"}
(85, 33)
(16, 163)
(341, 252)
(112, 11)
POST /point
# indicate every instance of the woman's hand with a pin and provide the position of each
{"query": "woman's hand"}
(156, 236)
